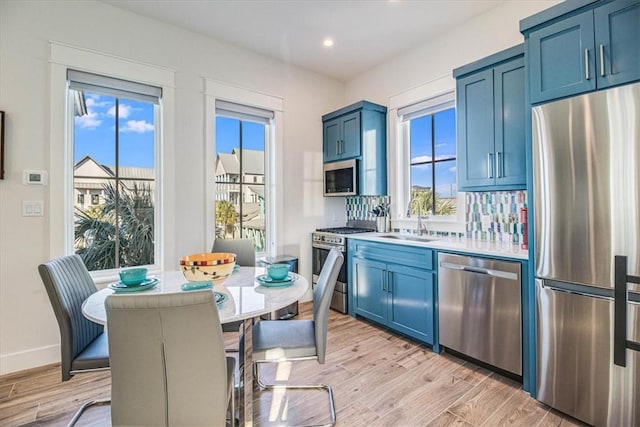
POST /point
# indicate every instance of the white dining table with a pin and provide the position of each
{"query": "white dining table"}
(246, 299)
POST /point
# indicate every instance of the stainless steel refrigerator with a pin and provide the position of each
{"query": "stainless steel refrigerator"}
(587, 211)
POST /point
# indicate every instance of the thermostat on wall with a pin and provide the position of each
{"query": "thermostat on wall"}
(34, 177)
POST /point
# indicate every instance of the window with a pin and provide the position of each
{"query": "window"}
(432, 162)
(80, 199)
(240, 142)
(114, 147)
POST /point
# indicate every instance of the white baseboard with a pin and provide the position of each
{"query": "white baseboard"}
(21, 360)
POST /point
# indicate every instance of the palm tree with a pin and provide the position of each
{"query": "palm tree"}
(425, 196)
(120, 232)
(227, 216)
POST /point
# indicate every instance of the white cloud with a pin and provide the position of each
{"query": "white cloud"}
(93, 101)
(453, 169)
(138, 126)
(421, 159)
(124, 111)
(88, 121)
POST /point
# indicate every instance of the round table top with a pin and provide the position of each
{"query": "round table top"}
(246, 298)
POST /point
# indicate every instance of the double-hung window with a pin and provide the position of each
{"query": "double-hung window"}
(241, 138)
(115, 140)
(431, 129)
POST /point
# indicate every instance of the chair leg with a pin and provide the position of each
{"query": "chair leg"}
(84, 407)
(325, 387)
(232, 406)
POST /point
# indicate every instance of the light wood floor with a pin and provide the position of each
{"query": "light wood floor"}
(378, 378)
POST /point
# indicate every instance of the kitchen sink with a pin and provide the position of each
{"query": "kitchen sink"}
(409, 238)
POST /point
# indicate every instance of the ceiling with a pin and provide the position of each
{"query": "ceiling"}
(366, 32)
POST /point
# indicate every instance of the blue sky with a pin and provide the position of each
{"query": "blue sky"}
(228, 135)
(445, 147)
(95, 132)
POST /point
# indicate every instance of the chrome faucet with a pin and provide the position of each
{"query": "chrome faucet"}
(419, 228)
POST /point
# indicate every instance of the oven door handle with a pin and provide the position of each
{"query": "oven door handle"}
(323, 246)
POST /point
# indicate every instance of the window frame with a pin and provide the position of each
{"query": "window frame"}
(64, 57)
(399, 154)
(215, 90)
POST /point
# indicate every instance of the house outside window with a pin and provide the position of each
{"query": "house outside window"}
(114, 149)
(240, 142)
(430, 129)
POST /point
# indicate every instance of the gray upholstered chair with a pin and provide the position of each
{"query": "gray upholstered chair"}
(83, 344)
(276, 341)
(244, 249)
(168, 365)
(245, 252)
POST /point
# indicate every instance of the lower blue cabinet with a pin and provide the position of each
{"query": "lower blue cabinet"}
(393, 285)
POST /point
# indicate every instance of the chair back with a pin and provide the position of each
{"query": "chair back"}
(244, 249)
(68, 284)
(168, 365)
(322, 295)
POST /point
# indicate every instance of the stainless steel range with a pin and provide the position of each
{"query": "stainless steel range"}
(323, 240)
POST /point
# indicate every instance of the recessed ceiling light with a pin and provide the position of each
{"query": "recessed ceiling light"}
(327, 42)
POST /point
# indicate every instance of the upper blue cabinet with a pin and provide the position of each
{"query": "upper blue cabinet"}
(580, 46)
(359, 132)
(345, 130)
(490, 109)
(341, 137)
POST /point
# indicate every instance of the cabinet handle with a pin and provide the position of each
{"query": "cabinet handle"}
(586, 64)
(340, 146)
(384, 289)
(389, 282)
(602, 60)
(489, 165)
(499, 164)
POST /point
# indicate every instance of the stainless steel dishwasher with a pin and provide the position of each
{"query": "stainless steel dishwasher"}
(480, 309)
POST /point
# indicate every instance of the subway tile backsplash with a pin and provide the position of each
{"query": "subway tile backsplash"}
(495, 216)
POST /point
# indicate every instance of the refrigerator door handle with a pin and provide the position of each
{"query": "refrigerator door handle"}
(620, 342)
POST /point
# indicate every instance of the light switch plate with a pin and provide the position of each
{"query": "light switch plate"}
(32, 208)
(34, 177)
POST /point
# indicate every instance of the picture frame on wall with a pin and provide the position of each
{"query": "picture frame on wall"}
(1, 144)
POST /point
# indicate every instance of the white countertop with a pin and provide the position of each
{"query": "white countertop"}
(470, 246)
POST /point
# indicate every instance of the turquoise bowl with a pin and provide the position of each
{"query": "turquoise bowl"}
(278, 271)
(133, 276)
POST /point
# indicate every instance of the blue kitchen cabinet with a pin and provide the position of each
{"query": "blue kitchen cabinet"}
(393, 285)
(359, 131)
(617, 27)
(341, 137)
(490, 109)
(595, 46)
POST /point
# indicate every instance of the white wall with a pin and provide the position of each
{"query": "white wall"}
(28, 330)
(488, 33)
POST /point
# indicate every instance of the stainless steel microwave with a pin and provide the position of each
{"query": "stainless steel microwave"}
(341, 178)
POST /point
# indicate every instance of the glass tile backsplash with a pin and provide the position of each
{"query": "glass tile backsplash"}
(360, 207)
(495, 216)
(492, 216)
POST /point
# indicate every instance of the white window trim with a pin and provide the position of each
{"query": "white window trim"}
(274, 155)
(63, 57)
(399, 157)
